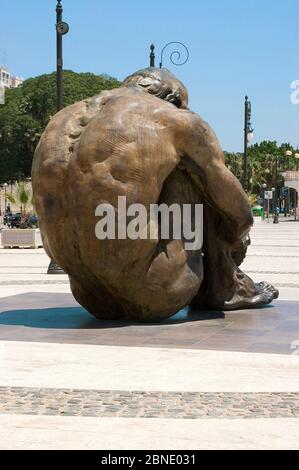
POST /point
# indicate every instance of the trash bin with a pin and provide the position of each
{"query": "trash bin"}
(257, 211)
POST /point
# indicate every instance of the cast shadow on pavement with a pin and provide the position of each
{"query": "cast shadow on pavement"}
(78, 318)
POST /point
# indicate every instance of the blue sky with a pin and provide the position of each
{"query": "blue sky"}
(235, 48)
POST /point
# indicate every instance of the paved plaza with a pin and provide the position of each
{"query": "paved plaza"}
(214, 380)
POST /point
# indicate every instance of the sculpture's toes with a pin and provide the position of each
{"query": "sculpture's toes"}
(267, 289)
(265, 294)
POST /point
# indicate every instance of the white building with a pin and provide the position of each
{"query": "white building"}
(16, 81)
(4, 77)
(8, 81)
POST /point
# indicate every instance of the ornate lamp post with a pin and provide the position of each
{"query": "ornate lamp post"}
(248, 136)
(289, 153)
(5, 200)
(62, 28)
(275, 214)
(176, 53)
(264, 186)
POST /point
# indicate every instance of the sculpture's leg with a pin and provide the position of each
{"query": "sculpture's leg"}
(151, 292)
(225, 286)
(228, 220)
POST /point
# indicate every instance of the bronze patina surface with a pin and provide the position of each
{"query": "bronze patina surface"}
(141, 141)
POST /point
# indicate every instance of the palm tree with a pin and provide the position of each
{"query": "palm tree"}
(22, 196)
(252, 199)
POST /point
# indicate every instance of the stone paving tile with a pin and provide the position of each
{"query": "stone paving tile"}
(35, 317)
(33, 282)
(176, 405)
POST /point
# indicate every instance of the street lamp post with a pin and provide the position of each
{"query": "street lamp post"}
(248, 136)
(268, 200)
(275, 217)
(289, 153)
(275, 214)
(286, 200)
(59, 74)
(62, 28)
(264, 186)
(5, 200)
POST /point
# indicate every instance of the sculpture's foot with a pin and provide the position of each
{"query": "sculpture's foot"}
(54, 268)
(264, 294)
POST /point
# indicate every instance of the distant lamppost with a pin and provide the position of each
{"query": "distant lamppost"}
(248, 136)
(62, 28)
(274, 204)
(275, 214)
(5, 186)
(268, 200)
(264, 186)
(289, 153)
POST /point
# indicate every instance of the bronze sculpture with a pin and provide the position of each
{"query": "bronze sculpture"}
(141, 141)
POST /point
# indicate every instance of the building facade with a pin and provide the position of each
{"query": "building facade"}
(8, 81)
(291, 179)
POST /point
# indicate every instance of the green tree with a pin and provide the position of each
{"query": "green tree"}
(27, 111)
(266, 163)
(234, 162)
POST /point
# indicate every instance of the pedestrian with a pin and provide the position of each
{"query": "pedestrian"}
(8, 209)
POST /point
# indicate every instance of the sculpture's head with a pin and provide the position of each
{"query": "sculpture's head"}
(161, 83)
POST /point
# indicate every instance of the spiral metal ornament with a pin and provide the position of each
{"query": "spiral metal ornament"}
(175, 56)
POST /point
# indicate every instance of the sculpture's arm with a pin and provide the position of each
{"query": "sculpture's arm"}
(223, 190)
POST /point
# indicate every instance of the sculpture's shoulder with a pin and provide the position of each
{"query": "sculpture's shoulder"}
(192, 125)
(80, 113)
(65, 127)
(190, 119)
